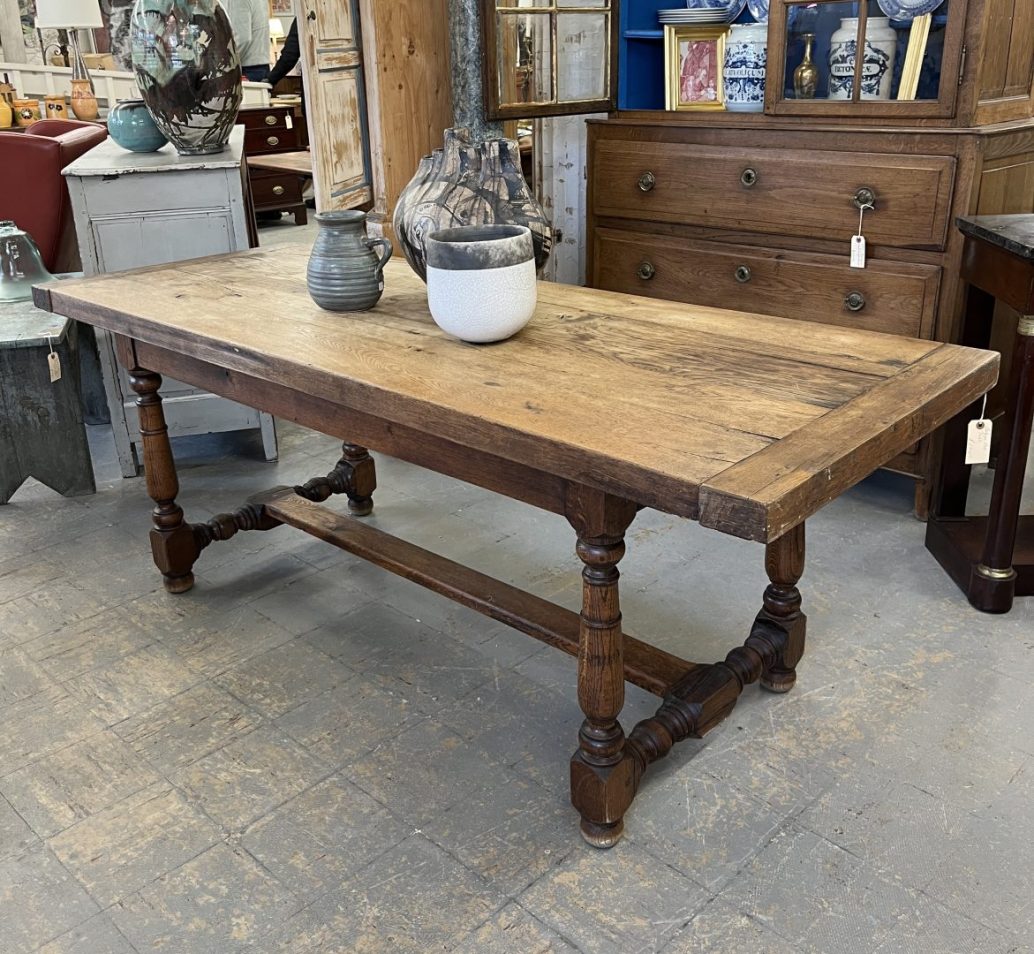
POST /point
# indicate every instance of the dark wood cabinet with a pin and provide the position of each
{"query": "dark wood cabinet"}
(274, 129)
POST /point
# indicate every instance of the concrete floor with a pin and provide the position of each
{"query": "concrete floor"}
(306, 754)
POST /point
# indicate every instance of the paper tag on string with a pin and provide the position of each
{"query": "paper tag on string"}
(978, 442)
(53, 362)
(858, 251)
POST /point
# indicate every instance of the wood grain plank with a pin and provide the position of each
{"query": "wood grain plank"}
(771, 492)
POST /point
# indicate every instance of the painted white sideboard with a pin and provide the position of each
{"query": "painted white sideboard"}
(136, 209)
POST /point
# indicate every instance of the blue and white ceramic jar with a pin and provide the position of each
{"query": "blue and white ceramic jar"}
(743, 74)
(881, 44)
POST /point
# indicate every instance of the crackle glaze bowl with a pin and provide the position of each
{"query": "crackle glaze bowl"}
(481, 283)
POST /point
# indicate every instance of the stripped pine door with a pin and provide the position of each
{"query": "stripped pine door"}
(328, 31)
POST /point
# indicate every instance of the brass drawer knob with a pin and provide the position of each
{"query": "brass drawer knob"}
(749, 177)
(865, 198)
(855, 301)
(646, 271)
(271, 120)
(273, 140)
(742, 274)
(278, 190)
(647, 181)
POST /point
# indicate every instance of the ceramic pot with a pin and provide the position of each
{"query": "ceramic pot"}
(21, 265)
(481, 284)
(743, 73)
(84, 100)
(188, 71)
(881, 44)
(131, 126)
(6, 114)
(468, 183)
(344, 273)
(26, 112)
(54, 107)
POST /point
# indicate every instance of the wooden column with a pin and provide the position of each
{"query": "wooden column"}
(602, 778)
(11, 37)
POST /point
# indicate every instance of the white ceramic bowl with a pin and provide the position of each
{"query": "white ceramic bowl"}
(481, 284)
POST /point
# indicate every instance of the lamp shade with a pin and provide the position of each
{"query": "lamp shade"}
(62, 14)
(276, 28)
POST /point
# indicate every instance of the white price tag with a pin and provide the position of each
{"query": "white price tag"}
(53, 361)
(978, 442)
(858, 251)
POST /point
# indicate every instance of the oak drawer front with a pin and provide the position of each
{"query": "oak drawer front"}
(892, 297)
(777, 190)
(264, 118)
(276, 189)
(271, 139)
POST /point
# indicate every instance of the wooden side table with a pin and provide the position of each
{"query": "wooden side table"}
(41, 423)
(992, 558)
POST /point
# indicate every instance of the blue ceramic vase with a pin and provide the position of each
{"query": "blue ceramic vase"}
(131, 126)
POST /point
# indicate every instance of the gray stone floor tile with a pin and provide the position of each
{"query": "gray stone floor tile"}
(510, 831)
(80, 646)
(317, 599)
(280, 679)
(39, 900)
(720, 929)
(132, 684)
(130, 844)
(701, 826)
(413, 899)
(96, 936)
(41, 724)
(19, 577)
(323, 837)
(931, 928)
(214, 644)
(20, 678)
(78, 781)
(16, 836)
(187, 727)
(513, 931)
(422, 772)
(250, 776)
(615, 902)
(218, 902)
(349, 720)
(60, 603)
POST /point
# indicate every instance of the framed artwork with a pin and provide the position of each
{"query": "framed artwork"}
(693, 58)
(281, 8)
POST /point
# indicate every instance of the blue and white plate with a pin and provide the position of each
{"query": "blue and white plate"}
(758, 10)
(906, 9)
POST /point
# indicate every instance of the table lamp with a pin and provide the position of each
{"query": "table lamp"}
(73, 15)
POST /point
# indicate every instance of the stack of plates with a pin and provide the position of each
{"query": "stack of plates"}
(703, 11)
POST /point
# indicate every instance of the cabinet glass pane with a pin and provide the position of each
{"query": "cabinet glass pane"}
(583, 56)
(901, 59)
(525, 57)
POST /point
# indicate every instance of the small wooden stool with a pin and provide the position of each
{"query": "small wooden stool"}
(41, 423)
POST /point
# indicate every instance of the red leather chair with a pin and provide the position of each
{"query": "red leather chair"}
(34, 193)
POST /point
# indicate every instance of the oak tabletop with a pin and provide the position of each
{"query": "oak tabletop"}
(747, 423)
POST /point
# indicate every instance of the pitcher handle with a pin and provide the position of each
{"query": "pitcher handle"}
(388, 250)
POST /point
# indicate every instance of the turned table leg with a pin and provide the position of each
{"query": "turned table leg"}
(993, 585)
(784, 564)
(602, 774)
(172, 539)
(355, 475)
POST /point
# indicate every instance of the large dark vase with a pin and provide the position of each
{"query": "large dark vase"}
(468, 183)
(188, 71)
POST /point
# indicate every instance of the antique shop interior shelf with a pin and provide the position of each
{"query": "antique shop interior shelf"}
(755, 210)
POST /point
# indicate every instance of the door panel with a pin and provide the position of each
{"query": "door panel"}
(328, 31)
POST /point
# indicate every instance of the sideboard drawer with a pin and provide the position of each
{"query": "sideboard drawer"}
(276, 189)
(270, 139)
(264, 117)
(780, 191)
(894, 297)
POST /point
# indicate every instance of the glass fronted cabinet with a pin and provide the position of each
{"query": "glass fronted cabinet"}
(894, 59)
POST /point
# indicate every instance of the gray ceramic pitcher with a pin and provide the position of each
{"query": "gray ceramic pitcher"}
(344, 272)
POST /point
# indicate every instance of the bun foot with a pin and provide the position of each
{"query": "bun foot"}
(602, 836)
(778, 680)
(360, 507)
(178, 584)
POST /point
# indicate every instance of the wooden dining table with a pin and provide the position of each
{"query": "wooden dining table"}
(603, 405)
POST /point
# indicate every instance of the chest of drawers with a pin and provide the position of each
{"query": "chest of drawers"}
(268, 130)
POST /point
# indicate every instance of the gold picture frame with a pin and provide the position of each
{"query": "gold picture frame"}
(693, 61)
